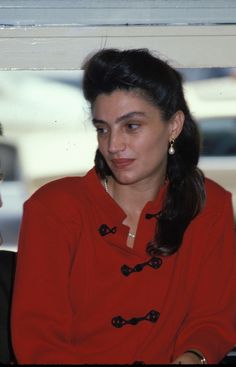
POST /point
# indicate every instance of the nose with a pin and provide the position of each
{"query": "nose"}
(116, 142)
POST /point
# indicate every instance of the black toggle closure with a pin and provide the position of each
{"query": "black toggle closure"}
(151, 316)
(104, 230)
(154, 215)
(154, 262)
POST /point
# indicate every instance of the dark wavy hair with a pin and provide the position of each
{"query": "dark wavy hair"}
(138, 69)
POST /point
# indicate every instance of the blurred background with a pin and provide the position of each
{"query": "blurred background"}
(47, 132)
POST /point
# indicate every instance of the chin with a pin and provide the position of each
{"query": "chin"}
(125, 178)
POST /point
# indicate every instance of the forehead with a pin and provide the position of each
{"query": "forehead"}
(122, 102)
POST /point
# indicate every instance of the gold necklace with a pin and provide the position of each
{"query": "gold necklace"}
(131, 235)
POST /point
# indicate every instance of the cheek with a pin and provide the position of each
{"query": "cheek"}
(155, 145)
(102, 145)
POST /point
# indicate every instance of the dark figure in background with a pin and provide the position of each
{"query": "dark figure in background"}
(7, 271)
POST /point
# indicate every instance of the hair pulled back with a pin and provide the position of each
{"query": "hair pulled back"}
(138, 69)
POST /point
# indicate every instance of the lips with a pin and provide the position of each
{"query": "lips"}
(122, 162)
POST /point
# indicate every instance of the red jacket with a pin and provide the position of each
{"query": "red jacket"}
(81, 298)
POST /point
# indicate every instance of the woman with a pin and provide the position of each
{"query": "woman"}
(133, 263)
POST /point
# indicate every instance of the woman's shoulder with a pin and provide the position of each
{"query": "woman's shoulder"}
(62, 186)
(216, 195)
(62, 194)
(214, 188)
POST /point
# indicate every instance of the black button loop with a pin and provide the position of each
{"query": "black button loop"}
(151, 316)
(154, 262)
(154, 215)
(104, 230)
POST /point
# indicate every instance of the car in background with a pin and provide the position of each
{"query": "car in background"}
(213, 104)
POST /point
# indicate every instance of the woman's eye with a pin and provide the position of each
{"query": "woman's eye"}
(101, 130)
(133, 126)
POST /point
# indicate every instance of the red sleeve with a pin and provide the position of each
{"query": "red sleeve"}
(41, 310)
(210, 326)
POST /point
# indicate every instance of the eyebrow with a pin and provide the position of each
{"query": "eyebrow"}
(121, 118)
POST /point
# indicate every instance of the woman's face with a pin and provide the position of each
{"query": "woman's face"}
(132, 136)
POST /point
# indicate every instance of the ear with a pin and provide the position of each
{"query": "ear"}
(176, 124)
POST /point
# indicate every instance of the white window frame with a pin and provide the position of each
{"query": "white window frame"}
(65, 47)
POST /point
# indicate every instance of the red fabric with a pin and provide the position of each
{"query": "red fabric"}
(69, 285)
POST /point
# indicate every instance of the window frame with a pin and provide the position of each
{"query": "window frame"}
(66, 47)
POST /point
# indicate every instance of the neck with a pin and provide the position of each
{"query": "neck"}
(133, 197)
